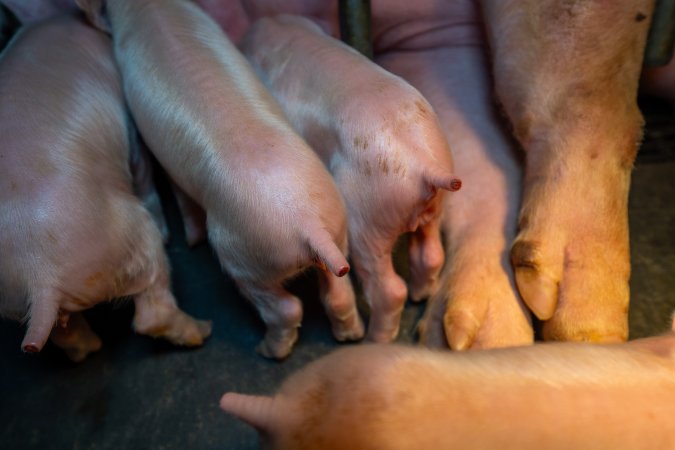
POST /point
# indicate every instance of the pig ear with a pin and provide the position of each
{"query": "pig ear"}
(95, 12)
(43, 315)
(255, 410)
(328, 253)
(443, 180)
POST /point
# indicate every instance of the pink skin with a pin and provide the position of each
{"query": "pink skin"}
(580, 131)
(578, 151)
(65, 181)
(381, 141)
(194, 219)
(272, 209)
(553, 396)
(36, 10)
(476, 305)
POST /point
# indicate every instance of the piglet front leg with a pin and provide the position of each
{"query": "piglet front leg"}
(382, 143)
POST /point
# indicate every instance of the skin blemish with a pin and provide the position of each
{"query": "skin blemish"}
(382, 163)
(455, 184)
(399, 169)
(639, 17)
(361, 142)
(51, 237)
(367, 170)
(421, 108)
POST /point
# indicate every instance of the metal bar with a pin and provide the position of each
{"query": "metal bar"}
(661, 38)
(355, 25)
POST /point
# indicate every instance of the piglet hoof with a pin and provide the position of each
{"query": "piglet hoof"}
(475, 308)
(354, 330)
(277, 345)
(188, 331)
(80, 353)
(175, 326)
(76, 338)
(346, 322)
(579, 292)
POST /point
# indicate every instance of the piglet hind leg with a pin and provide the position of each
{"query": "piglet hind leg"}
(76, 338)
(384, 290)
(425, 257)
(157, 315)
(566, 74)
(337, 295)
(282, 314)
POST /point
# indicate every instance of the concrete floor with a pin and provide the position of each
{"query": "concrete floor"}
(139, 393)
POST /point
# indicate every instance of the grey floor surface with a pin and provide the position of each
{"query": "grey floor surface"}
(139, 393)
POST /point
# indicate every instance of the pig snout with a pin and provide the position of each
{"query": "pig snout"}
(383, 145)
(563, 395)
(72, 232)
(272, 209)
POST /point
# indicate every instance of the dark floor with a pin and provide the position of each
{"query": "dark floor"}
(138, 393)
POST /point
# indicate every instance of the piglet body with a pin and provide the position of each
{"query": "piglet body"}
(272, 208)
(552, 396)
(381, 141)
(72, 233)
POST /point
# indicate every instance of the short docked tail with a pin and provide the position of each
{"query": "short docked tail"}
(43, 315)
(255, 410)
(443, 180)
(327, 252)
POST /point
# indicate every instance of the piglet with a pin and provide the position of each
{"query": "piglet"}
(272, 209)
(72, 233)
(552, 396)
(383, 145)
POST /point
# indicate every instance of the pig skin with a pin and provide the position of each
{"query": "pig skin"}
(571, 97)
(272, 209)
(381, 141)
(570, 243)
(579, 130)
(546, 396)
(71, 232)
(476, 304)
